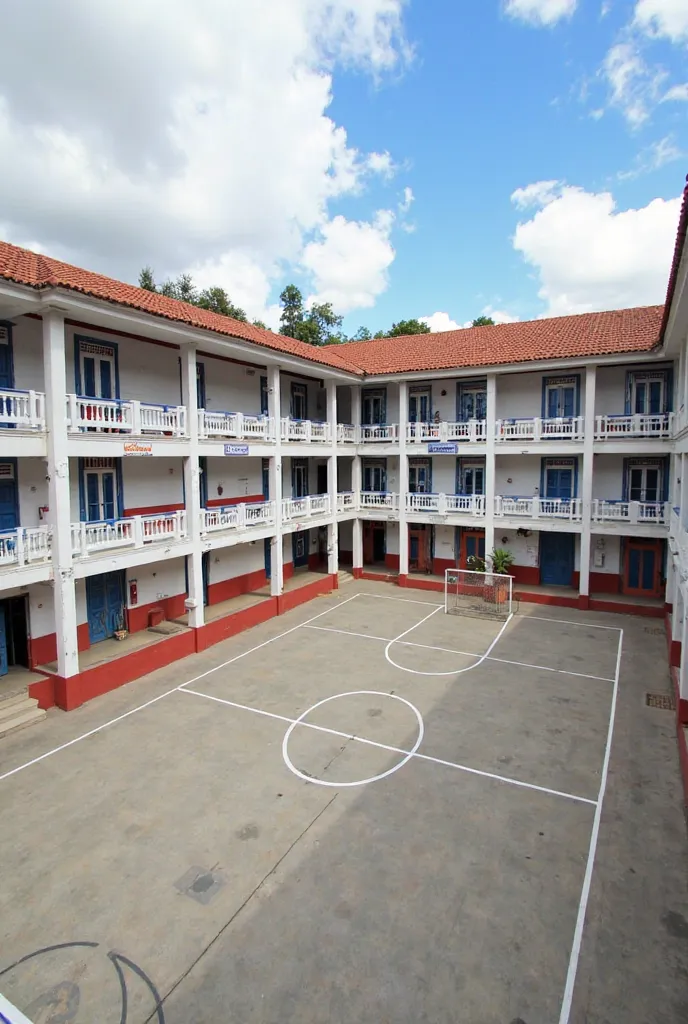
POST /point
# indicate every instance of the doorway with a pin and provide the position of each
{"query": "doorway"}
(105, 608)
(420, 548)
(14, 634)
(419, 409)
(9, 502)
(300, 548)
(322, 479)
(642, 575)
(374, 545)
(471, 545)
(557, 558)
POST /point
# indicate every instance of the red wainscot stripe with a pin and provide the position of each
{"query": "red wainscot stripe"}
(153, 510)
(224, 590)
(223, 502)
(170, 608)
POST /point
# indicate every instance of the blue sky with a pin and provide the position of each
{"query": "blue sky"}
(398, 158)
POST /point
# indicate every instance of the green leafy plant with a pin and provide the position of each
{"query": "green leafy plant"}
(476, 564)
(501, 561)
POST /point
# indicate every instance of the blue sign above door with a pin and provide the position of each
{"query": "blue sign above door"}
(442, 448)
(236, 449)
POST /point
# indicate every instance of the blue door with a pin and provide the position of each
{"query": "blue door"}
(472, 403)
(3, 643)
(264, 400)
(104, 605)
(419, 407)
(205, 573)
(200, 385)
(558, 482)
(556, 558)
(100, 495)
(8, 496)
(300, 543)
(6, 368)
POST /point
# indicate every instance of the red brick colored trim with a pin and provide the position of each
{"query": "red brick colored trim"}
(357, 572)
(172, 607)
(43, 691)
(229, 625)
(228, 359)
(287, 570)
(618, 607)
(223, 590)
(675, 653)
(153, 510)
(110, 330)
(43, 649)
(600, 582)
(392, 561)
(222, 502)
(293, 598)
(526, 574)
(335, 581)
(681, 736)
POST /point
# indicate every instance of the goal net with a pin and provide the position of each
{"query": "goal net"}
(480, 594)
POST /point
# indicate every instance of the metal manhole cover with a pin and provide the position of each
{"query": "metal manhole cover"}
(663, 701)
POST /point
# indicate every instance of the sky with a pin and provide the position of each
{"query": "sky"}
(439, 159)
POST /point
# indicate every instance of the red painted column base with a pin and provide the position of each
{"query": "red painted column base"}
(357, 572)
(584, 601)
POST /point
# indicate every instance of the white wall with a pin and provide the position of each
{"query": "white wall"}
(33, 491)
(344, 414)
(146, 371)
(344, 474)
(520, 394)
(238, 477)
(151, 482)
(392, 538)
(41, 610)
(228, 563)
(610, 387)
(445, 542)
(27, 355)
(230, 387)
(522, 470)
(316, 396)
(444, 474)
(607, 478)
(610, 546)
(524, 549)
(346, 535)
(157, 581)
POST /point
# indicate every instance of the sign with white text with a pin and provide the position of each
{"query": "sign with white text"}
(442, 448)
(236, 449)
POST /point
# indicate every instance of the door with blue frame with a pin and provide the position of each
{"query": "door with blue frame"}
(420, 406)
(100, 493)
(3, 642)
(96, 369)
(559, 482)
(557, 559)
(267, 543)
(200, 385)
(6, 367)
(560, 398)
(471, 544)
(105, 606)
(300, 548)
(642, 567)
(9, 503)
(472, 401)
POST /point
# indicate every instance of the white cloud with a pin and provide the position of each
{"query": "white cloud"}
(350, 262)
(589, 256)
(440, 322)
(679, 93)
(216, 149)
(668, 18)
(540, 12)
(654, 156)
(405, 203)
(500, 316)
(634, 86)
(538, 194)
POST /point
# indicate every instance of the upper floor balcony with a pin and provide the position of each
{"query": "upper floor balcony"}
(653, 425)
(23, 410)
(243, 516)
(25, 546)
(612, 510)
(125, 416)
(93, 538)
(539, 428)
(444, 431)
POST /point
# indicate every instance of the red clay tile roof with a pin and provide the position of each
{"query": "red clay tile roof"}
(38, 271)
(678, 253)
(587, 334)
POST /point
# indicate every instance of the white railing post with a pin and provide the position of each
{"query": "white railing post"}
(535, 507)
(20, 548)
(32, 410)
(537, 428)
(202, 429)
(135, 406)
(83, 539)
(633, 511)
(442, 504)
(241, 516)
(240, 427)
(73, 412)
(138, 532)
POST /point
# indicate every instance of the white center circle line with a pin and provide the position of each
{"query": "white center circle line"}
(360, 782)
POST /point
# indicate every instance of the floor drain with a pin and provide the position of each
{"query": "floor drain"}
(663, 701)
(200, 884)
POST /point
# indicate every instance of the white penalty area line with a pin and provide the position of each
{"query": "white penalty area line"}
(468, 654)
(565, 1014)
(154, 700)
(394, 750)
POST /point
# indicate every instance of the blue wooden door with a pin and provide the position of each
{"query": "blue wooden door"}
(8, 496)
(100, 495)
(205, 573)
(3, 642)
(200, 385)
(472, 404)
(104, 605)
(561, 401)
(300, 548)
(472, 546)
(556, 558)
(6, 367)
(419, 407)
(558, 483)
(642, 570)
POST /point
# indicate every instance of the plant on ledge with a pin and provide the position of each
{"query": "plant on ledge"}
(501, 561)
(476, 564)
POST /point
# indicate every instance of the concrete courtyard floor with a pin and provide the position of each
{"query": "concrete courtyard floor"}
(426, 844)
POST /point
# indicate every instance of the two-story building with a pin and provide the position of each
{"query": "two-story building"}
(169, 476)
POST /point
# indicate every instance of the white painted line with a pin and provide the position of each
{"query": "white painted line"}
(468, 654)
(400, 600)
(455, 672)
(359, 782)
(570, 622)
(10, 1013)
(394, 750)
(140, 707)
(585, 893)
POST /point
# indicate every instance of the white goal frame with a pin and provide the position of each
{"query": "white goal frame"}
(478, 594)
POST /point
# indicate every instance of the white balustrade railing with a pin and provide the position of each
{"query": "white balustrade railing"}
(238, 517)
(346, 433)
(467, 504)
(538, 508)
(635, 425)
(133, 532)
(379, 500)
(446, 430)
(309, 505)
(635, 512)
(346, 500)
(379, 432)
(305, 430)
(22, 409)
(116, 415)
(536, 428)
(235, 424)
(25, 546)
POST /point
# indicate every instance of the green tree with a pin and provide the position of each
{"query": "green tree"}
(483, 321)
(403, 327)
(218, 301)
(317, 326)
(146, 280)
(259, 323)
(292, 311)
(362, 334)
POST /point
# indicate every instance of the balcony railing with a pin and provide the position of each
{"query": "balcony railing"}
(346, 433)
(24, 410)
(238, 517)
(536, 428)
(235, 424)
(446, 430)
(305, 430)
(25, 546)
(447, 504)
(346, 500)
(636, 425)
(513, 506)
(309, 505)
(379, 432)
(119, 416)
(609, 510)
(379, 500)
(134, 532)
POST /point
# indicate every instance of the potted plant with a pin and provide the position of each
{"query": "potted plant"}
(501, 561)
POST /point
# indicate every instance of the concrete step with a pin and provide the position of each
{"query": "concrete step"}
(15, 697)
(344, 577)
(18, 707)
(22, 720)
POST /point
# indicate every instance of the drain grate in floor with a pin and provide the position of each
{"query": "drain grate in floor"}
(663, 701)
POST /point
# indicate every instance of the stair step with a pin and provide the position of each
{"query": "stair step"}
(17, 708)
(7, 700)
(22, 721)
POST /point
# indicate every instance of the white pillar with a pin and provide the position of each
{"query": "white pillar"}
(332, 528)
(55, 374)
(356, 409)
(587, 475)
(356, 484)
(490, 427)
(192, 488)
(275, 471)
(403, 480)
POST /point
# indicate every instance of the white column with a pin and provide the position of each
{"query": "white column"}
(332, 528)
(587, 475)
(403, 479)
(276, 551)
(356, 409)
(356, 484)
(490, 427)
(55, 373)
(192, 488)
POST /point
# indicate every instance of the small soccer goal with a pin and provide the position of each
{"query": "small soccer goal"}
(480, 594)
